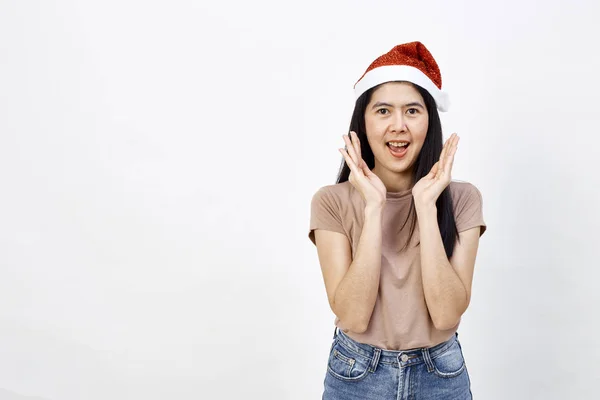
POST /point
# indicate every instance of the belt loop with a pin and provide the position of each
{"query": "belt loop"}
(333, 341)
(427, 358)
(375, 359)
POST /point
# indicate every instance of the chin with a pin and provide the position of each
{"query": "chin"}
(400, 166)
(398, 169)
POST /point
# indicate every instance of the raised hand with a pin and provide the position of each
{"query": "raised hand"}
(427, 190)
(361, 177)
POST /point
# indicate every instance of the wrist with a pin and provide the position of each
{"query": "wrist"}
(426, 208)
(373, 210)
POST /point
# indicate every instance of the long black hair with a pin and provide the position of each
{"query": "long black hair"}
(429, 155)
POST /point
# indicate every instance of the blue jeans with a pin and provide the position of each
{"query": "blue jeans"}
(361, 371)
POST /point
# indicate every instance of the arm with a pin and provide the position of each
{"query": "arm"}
(446, 283)
(352, 285)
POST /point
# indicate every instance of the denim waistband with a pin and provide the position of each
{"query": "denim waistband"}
(404, 357)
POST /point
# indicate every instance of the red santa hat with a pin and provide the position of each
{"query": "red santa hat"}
(410, 62)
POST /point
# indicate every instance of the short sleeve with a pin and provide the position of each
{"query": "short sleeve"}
(324, 214)
(468, 211)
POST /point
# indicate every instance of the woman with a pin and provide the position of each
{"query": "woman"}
(397, 240)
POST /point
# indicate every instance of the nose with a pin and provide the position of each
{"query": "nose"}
(398, 123)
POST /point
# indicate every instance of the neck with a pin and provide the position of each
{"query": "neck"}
(395, 181)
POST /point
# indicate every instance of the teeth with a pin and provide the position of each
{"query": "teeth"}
(396, 144)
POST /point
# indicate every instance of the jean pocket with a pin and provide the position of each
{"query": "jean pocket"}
(450, 363)
(346, 365)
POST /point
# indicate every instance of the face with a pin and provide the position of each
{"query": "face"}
(396, 120)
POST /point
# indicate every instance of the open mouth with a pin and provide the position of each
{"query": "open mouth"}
(398, 148)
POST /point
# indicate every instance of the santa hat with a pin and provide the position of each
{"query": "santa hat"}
(410, 62)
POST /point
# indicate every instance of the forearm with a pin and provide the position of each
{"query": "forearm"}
(356, 294)
(445, 294)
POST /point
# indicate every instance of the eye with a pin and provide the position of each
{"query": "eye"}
(383, 111)
(413, 111)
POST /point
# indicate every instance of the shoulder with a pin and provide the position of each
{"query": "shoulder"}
(465, 196)
(467, 204)
(462, 190)
(330, 209)
(338, 193)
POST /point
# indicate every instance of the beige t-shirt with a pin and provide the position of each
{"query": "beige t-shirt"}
(400, 319)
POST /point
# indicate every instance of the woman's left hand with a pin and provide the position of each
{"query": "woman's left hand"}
(427, 190)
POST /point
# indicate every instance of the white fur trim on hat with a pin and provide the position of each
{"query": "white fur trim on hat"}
(390, 73)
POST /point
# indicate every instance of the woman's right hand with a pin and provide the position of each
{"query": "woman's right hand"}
(361, 177)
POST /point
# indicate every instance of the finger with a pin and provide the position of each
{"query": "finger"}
(353, 167)
(442, 158)
(434, 169)
(450, 156)
(366, 170)
(356, 142)
(356, 147)
(350, 150)
(454, 141)
(444, 153)
(454, 145)
(448, 161)
(444, 148)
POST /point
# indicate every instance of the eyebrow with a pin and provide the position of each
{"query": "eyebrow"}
(383, 104)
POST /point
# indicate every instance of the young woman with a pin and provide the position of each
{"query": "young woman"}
(397, 240)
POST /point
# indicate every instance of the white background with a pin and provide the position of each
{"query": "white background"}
(157, 161)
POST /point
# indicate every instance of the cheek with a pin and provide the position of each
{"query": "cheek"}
(420, 130)
(371, 126)
(375, 133)
(374, 143)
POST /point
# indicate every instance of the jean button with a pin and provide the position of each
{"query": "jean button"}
(404, 357)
